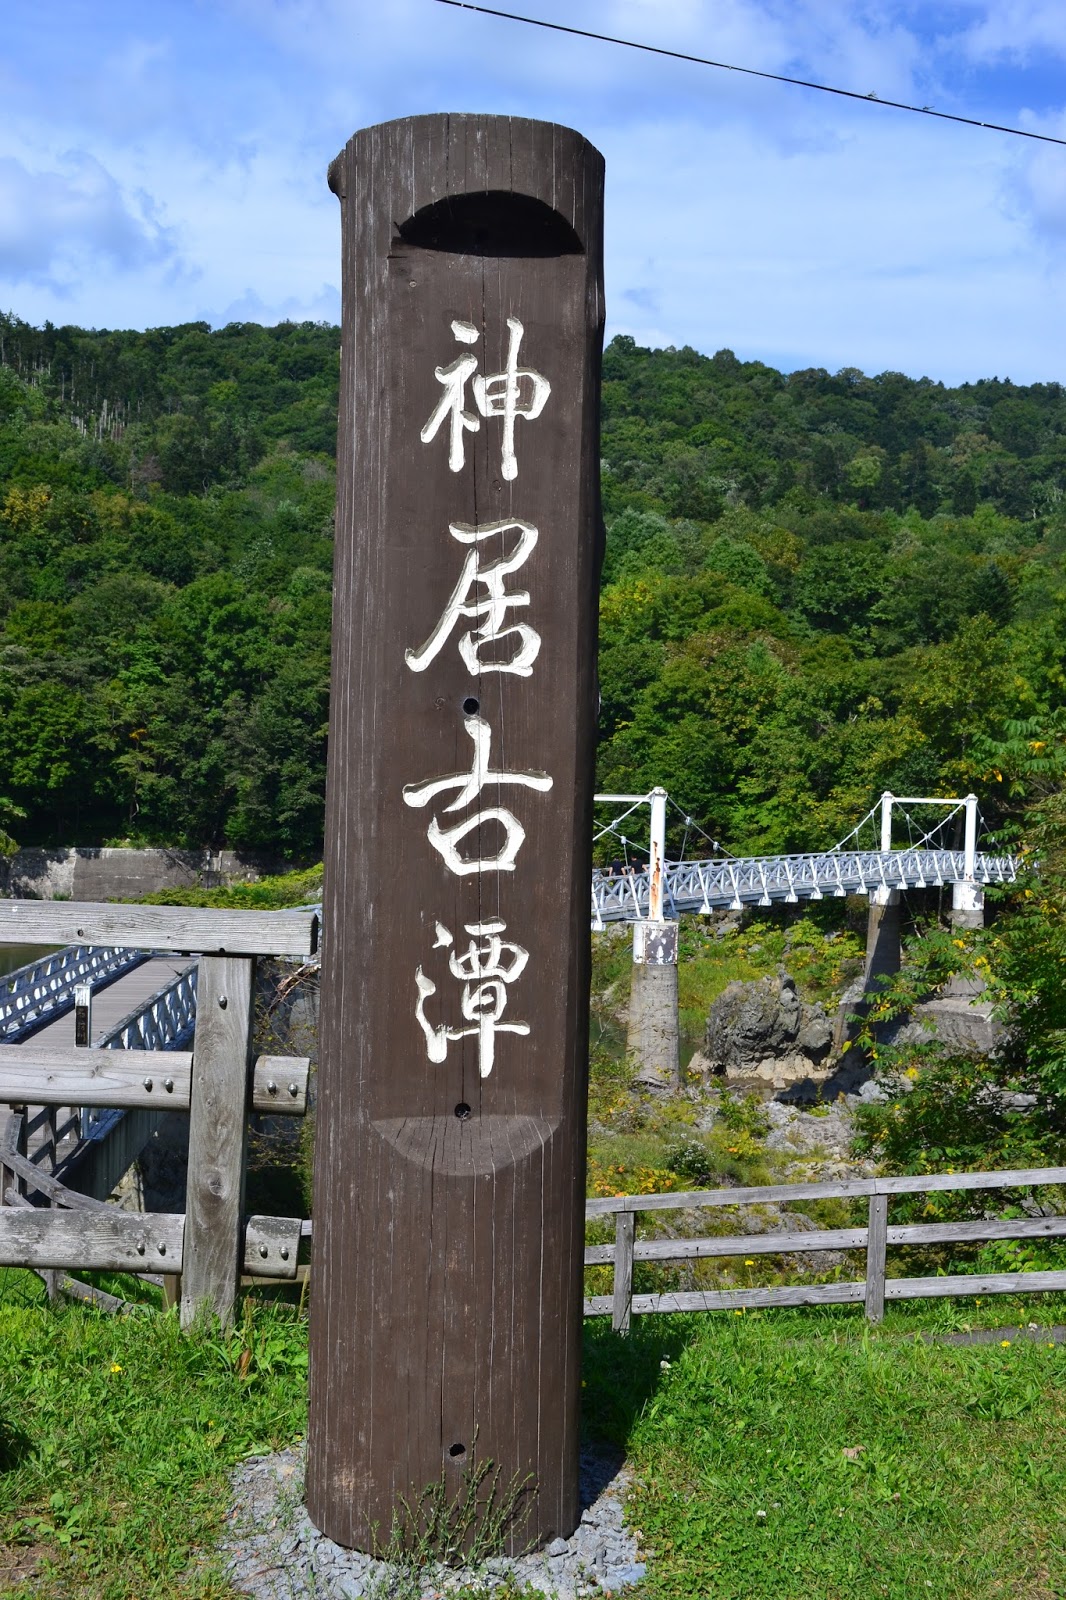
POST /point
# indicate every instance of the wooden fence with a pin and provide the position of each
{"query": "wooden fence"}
(875, 1238)
(47, 1226)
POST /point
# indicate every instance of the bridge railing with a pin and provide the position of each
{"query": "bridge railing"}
(49, 1227)
(704, 886)
(871, 1291)
(43, 990)
(110, 1138)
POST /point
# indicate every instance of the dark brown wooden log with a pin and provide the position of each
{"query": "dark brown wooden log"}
(446, 1289)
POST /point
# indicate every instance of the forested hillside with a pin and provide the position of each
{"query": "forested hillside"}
(816, 587)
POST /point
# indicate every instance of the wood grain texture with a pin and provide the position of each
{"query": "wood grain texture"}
(961, 1232)
(876, 1241)
(1015, 1178)
(803, 1294)
(111, 1241)
(978, 1283)
(271, 1245)
(12, 1142)
(217, 1135)
(134, 1079)
(40, 1076)
(697, 1199)
(185, 928)
(809, 1241)
(624, 1232)
(279, 1085)
(446, 1292)
(32, 1179)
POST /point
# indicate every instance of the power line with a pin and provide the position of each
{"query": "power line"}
(751, 72)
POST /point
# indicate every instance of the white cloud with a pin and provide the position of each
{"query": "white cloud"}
(1017, 29)
(1036, 183)
(785, 223)
(55, 223)
(323, 306)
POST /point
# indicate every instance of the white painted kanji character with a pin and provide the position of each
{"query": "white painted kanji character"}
(500, 395)
(514, 392)
(487, 966)
(469, 786)
(491, 608)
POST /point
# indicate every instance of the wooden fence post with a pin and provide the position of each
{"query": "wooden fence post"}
(218, 1120)
(447, 1284)
(625, 1232)
(13, 1139)
(876, 1244)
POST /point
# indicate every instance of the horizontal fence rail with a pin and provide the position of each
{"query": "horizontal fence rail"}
(63, 1078)
(875, 1238)
(44, 990)
(185, 929)
(137, 1073)
(705, 886)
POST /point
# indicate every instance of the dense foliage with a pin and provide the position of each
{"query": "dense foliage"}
(820, 587)
(166, 506)
(815, 586)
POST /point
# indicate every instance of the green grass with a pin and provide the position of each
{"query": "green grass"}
(117, 1436)
(296, 888)
(801, 1456)
(884, 1461)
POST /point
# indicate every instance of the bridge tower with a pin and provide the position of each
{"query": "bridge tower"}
(968, 897)
(652, 1040)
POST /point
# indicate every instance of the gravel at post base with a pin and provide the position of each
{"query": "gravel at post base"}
(274, 1552)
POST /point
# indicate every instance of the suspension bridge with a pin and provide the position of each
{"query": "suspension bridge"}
(665, 889)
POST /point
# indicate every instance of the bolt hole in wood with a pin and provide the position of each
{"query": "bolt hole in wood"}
(462, 1111)
(471, 706)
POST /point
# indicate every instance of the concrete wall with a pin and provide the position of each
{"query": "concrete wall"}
(102, 874)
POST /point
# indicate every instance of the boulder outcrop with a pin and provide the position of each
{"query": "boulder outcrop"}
(763, 1030)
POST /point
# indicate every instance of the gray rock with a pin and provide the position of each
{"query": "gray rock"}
(815, 1036)
(275, 1553)
(763, 1029)
(752, 1021)
(954, 1021)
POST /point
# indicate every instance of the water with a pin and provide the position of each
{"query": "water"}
(20, 955)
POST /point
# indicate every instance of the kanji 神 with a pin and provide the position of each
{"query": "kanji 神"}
(515, 392)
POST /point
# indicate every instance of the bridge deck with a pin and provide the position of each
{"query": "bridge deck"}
(113, 1003)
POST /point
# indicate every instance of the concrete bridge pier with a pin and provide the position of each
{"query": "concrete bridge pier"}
(967, 905)
(968, 897)
(882, 936)
(883, 958)
(652, 1039)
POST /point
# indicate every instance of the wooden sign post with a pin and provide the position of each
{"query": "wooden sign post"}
(450, 1143)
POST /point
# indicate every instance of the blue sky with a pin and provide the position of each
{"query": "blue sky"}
(164, 161)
